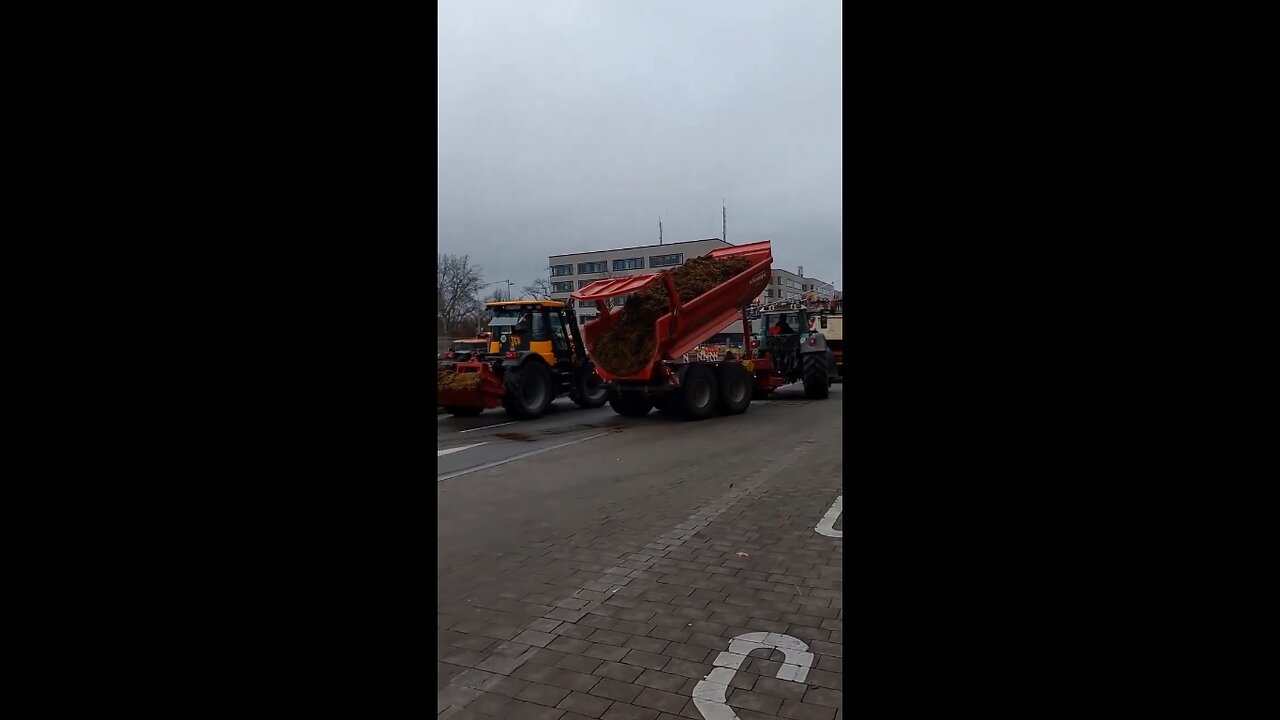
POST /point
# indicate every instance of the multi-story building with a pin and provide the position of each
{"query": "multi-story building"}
(824, 290)
(572, 271)
(787, 285)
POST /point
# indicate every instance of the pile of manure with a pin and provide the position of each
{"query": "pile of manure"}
(626, 348)
(451, 380)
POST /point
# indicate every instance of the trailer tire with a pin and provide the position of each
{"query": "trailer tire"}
(529, 390)
(697, 397)
(588, 393)
(814, 372)
(735, 389)
(629, 404)
(459, 411)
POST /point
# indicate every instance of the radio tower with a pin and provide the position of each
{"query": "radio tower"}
(724, 222)
(659, 229)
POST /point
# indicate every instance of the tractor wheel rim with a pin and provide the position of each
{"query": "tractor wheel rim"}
(531, 392)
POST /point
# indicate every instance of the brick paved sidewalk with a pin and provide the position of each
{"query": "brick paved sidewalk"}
(647, 622)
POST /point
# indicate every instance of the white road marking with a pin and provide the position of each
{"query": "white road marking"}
(826, 526)
(710, 693)
(486, 427)
(521, 456)
(457, 449)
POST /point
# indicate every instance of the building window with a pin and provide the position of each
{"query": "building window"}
(629, 264)
(592, 267)
(584, 283)
(559, 270)
(666, 260)
(562, 286)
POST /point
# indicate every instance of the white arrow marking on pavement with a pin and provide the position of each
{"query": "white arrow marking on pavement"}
(827, 525)
(486, 427)
(710, 694)
(457, 449)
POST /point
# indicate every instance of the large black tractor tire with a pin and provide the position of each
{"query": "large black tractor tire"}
(458, 411)
(696, 399)
(735, 389)
(529, 390)
(629, 404)
(588, 392)
(814, 372)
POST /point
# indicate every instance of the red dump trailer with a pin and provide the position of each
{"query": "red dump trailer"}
(691, 390)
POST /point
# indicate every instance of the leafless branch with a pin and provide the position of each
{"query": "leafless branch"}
(457, 283)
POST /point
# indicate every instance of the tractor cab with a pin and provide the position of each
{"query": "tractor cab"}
(780, 329)
(794, 317)
(533, 326)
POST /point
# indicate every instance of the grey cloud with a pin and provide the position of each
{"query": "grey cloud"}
(570, 126)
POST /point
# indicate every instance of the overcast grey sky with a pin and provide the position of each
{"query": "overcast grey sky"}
(568, 126)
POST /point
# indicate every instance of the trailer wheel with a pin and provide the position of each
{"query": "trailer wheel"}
(458, 411)
(528, 390)
(814, 372)
(697, 396)
(735, 389)
(629, 404)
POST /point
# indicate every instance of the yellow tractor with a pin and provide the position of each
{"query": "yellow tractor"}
(534, 356)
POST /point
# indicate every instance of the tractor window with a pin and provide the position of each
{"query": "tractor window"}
(512, 320)
(559, 339)
(502, 323)
(792, 320)
(539, 324)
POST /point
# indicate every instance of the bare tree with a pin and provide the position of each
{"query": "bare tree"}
(539, 289)
(457, 283)
(475, 321)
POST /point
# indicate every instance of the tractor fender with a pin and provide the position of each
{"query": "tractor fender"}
(819, 346)
(581, 368)
(523, 357)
